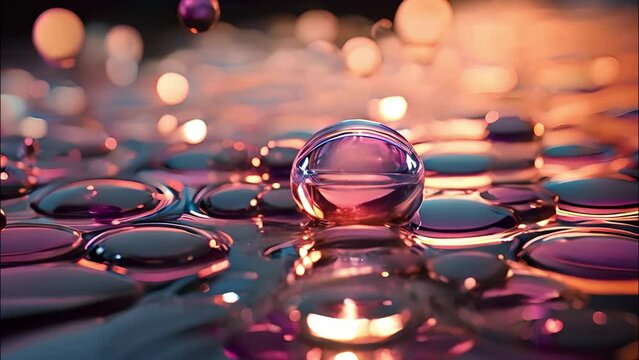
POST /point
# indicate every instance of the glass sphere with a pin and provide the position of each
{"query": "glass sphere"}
(358, 171)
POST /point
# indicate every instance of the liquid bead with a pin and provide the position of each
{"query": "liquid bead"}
(530, 203)
(15, 181)
(103, 200)
(199, 15)
(230, 200)
(22, 243)
(469, 270)
(160, 252)
(358, 171)
(510, 128)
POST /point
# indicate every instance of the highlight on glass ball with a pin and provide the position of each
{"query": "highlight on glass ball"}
(319, 180)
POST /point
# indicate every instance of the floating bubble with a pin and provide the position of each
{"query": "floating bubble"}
(578, 253)
(23, 243)
(104, 200)
(230, 200)
(159, 252)
(599, 197)
(172, 88)
(362, 56)
(198, 15)
(460, 222)
(358, 171)
(531, 204)
(469, 270)
(58, 35)
(71, 291)
(423, 22)
(316, 25)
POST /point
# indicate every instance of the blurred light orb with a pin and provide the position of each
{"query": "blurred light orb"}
(58, 35)
(172, 88)
(604, 70)
(194, 131)
(316, 25)
(121, 71)
(167, 124)
(391, 108)
(68, 100)
(487, 79)
(33, 127)
(423, 22)
(362, 56)
(124, 42)
(16, 82)
(198, 15)
(12, 108)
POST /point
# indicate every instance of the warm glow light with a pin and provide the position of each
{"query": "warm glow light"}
(604, 70)
(356, 331)
(347, 355)
(423, 21)
(316, 25)
(599, 318)
(362, 56)
(167, 124)
(58, 35)
(110, 143)
(553, 326)
(488, 79)
(172, 88)
(392, 108)
(539, 129)
(124, 42)
(33, 127)
(230, 297)
(194, 131)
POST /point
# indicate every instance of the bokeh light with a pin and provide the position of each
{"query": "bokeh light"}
(423, 22)
(33, 127)
(316, 25)
(194, 131)
(58, 35)
(172, 88)
(124, 41)
(362, 56)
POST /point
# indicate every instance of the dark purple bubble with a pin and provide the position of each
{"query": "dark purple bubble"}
(22, 243)
(452, 218)
(198, 15)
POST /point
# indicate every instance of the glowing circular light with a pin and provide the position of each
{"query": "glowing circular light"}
(124, 41)
(316, 25)
(392, 108)
(362, 56)
(68, 100)
(423, 21)
(194, 131)
(488, 79)
(33, 127)
(121, 71)
(167, 123)
(172, 88)
(58, 35)
(604, 70)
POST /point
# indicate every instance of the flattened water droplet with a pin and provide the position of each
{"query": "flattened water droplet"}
(15, 181)
(457, 164)
(277, 156)
(595, 253)
(510, 128)
(469, 270)
(577, 151)
(222, 157)
(199, 15)
(160, 252)
(451, 222)
(61, 292)
(230, 200)
(606, 198)
(22, 243)
(358, 171)
(531, 204)
(103, 200)
(276, 200)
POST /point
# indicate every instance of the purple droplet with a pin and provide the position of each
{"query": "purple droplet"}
(531, 204)
(199, 15)
(22, 243)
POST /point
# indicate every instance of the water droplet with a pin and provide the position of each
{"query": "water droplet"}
(230, 200)
(510, 128)
(358, 171)
(199, 15)
(452, 222)
(529, 203)
(211, 157)
(277, 156)
(606, 198)
(586, 253)
(22, 243)
(276, 200)
(469, 270)
(160, 252)
(579, 151)
(70, 292)
(15, 181)
(103, 200)
(457, 164)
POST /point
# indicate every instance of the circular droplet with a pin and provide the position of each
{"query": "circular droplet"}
(277, 156)
(220, 157)
(448, 221)
(230, 200)
(510, 128)
(160, 252)
(62, 292)
(22, 243)
(358, 171)
(469, 270)
(596, 198)
(276, 200)
(586, 253)
(103, 200)
(529, 203)
(579, 151)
